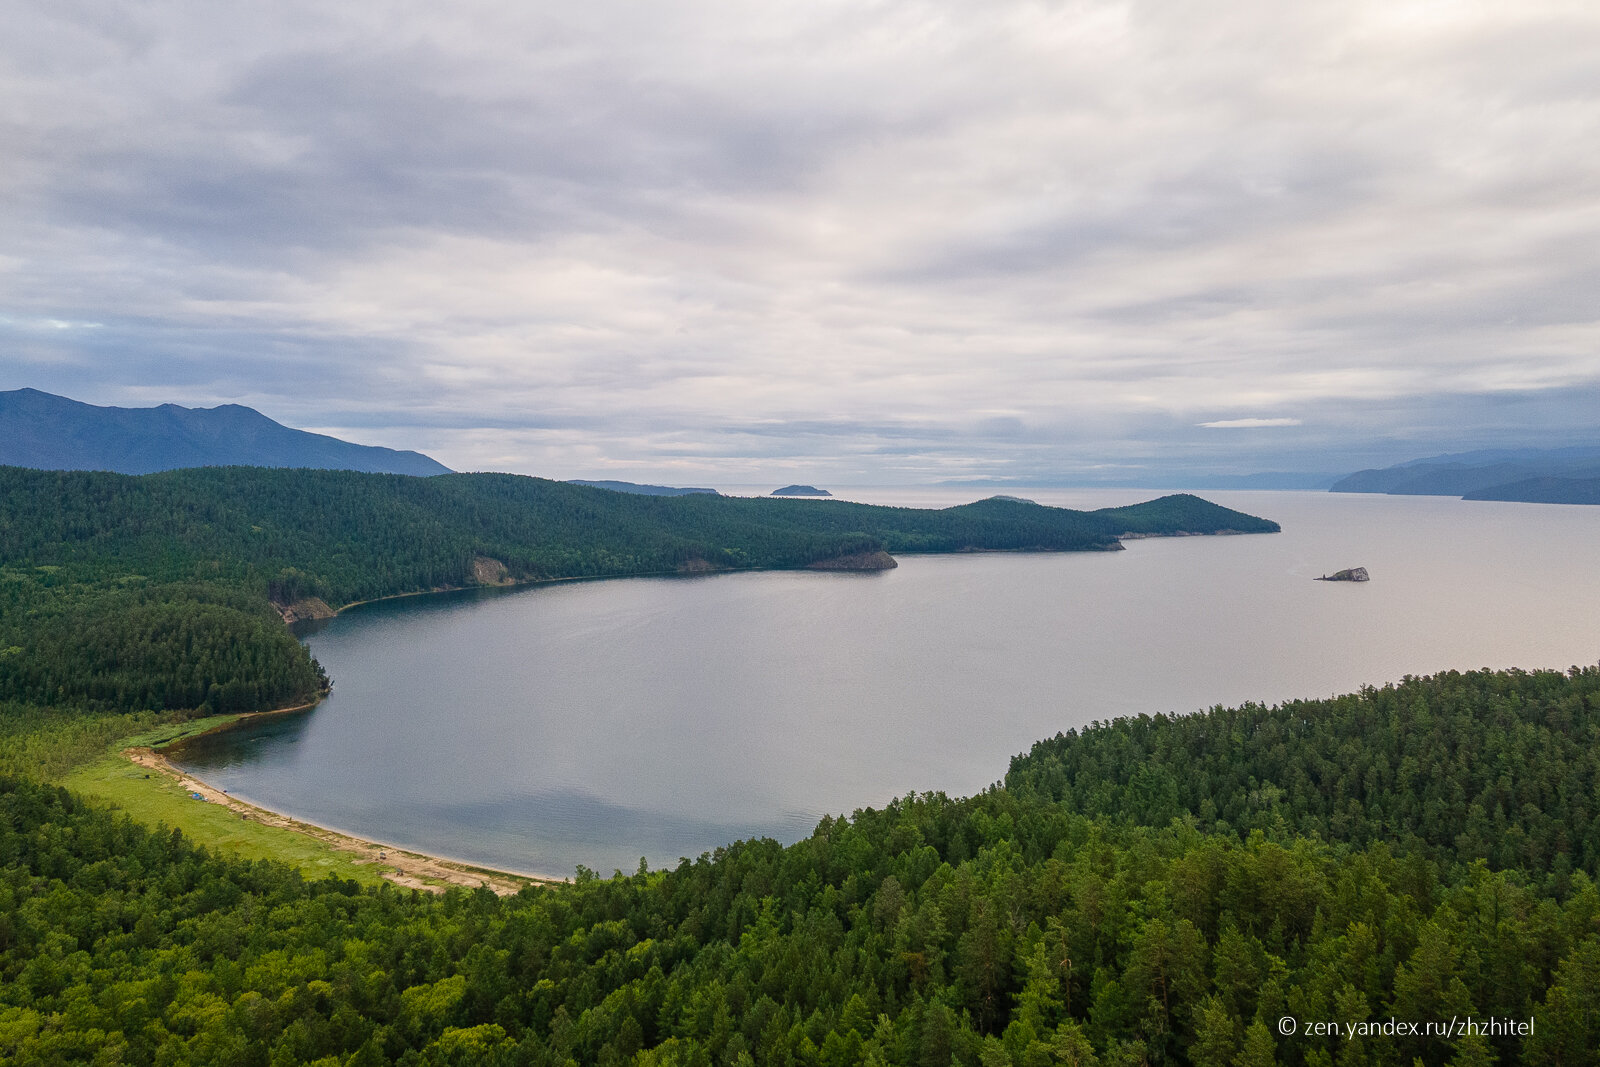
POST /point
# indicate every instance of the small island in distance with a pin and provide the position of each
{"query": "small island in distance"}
(1349, 574)
(800, 490)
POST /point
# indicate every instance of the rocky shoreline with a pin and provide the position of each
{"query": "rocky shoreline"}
(856, 561)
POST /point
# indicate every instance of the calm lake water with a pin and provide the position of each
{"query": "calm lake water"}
(599, 722)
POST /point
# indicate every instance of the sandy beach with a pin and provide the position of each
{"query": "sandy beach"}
(412, 870)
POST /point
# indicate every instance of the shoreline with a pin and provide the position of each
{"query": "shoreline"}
(1115, 545)
(403, 867)
(523, 583)
(417, 870)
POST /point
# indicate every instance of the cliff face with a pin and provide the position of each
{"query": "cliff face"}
(307, 608)
(857, 561)
(486, 571)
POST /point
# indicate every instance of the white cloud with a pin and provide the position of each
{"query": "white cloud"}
(627, 230)
(1247, 424)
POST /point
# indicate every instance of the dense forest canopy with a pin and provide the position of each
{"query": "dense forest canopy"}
(357, 536)
(1500, 766)
(1128, 922)
(154, 590)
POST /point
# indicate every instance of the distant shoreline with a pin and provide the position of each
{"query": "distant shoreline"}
(520, 583)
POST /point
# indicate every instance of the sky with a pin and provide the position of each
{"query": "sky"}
(876, 242)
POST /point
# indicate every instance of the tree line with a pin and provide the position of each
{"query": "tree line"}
(1137, 921)
(155, 591)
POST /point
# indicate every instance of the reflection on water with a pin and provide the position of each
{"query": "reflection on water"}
(598, 722)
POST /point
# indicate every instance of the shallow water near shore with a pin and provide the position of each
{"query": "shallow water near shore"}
(596, 723)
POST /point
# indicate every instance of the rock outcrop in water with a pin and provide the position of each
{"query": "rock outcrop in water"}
(1349, 574)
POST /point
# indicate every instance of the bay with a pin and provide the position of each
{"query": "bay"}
(596, 723)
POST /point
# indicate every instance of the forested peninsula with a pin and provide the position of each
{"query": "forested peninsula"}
(167, 590)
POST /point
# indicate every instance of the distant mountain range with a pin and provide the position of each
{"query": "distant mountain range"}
(1543, 491)
(49, 432)
(1532, 475)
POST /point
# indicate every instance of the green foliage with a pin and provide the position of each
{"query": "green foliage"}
(45, 743)
(1182, 512)
(124, 593)
(182, 645)
(1501, 765)
(1155, 890)
(1001, 929)
(346, 536)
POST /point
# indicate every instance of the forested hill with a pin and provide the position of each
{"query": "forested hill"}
(1128, 922)
(1500, 765)
(352, 537)
(154, 589)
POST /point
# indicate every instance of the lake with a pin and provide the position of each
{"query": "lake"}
(599, 722)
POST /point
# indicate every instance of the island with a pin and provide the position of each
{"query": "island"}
(800, 490)
(1349, 574)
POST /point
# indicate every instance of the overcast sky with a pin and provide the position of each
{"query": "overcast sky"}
(886, 241)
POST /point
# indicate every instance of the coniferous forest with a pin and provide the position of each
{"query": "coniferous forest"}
(1155, 890)
(157, 591)
(1147, 920)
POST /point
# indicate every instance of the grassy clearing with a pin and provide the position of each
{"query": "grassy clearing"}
(154, 799)
(83, 752)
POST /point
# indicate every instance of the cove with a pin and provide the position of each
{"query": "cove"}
(596, 723)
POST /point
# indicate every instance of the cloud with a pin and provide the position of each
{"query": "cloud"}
(1247, 424)
(896, 241)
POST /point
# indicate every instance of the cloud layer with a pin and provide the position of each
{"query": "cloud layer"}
(885, 242)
